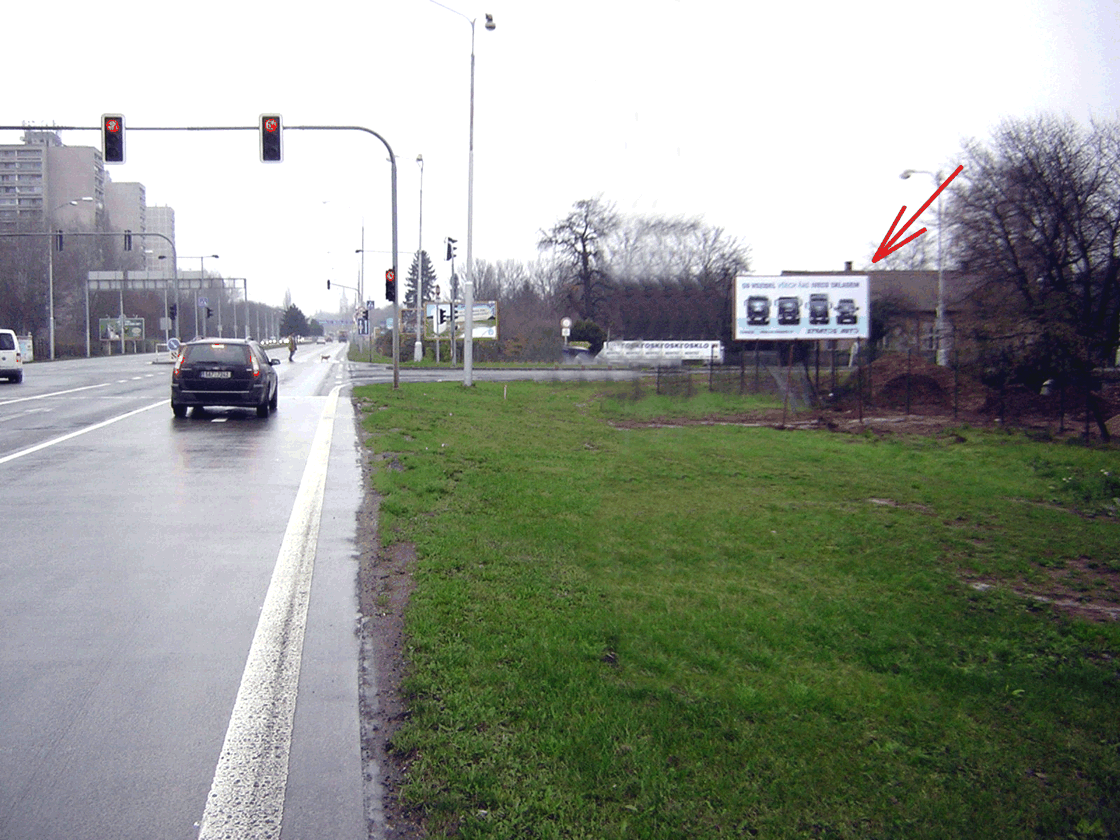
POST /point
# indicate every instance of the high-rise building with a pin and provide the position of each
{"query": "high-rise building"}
(44, 184)
(127, 206)
(160, 220)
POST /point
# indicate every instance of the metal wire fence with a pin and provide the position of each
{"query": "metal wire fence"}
(905, 383)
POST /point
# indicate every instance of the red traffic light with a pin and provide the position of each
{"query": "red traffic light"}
(271, 132)
(112, 138)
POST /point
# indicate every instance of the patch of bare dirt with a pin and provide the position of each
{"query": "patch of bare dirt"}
(384, 585)
(1081, 588)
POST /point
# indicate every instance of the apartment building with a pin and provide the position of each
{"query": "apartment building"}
(44, 184)
(159, 220)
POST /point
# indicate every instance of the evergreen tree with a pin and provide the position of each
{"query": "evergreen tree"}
(294, 322)
(429, 284)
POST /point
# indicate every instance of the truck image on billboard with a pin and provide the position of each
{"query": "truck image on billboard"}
(807, 308)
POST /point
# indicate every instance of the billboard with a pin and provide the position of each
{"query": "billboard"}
(110, 329)
(810, 307)
(659, 352)
(438, 319)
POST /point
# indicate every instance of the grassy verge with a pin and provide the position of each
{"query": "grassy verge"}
(719, 631)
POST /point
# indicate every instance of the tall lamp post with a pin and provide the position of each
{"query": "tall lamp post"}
(468, 281)
(418, 348)
(941, 345)
(50, 269)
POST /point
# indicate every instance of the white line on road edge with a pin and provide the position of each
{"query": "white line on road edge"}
(86, 430)
(246, 798)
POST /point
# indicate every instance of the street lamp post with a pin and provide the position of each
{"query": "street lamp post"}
(50, 270)
(418, 348)
(941, 345)
(468, 281)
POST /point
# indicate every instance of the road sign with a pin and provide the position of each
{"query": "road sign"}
(203, 302)
(172, 344)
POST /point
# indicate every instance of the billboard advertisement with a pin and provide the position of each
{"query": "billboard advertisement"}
(660, 352)
(110, 329)
(809, 307)
(438, 319)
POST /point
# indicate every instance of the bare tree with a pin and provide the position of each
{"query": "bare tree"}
(578, 242)
(918, 255)
(1037, 214)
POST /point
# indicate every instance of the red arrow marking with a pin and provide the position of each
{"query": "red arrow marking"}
(889, 244)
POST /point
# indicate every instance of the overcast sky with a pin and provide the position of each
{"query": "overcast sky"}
(785, 124)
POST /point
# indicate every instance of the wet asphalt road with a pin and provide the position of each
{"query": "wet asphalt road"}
(147, 677)
(137, 554)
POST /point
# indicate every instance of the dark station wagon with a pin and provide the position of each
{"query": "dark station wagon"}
(224, 372)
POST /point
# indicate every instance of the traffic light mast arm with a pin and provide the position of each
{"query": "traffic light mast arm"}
(392, 163)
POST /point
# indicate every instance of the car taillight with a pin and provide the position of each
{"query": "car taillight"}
(178, 364)
(256, 367)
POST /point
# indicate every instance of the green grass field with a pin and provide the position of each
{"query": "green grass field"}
(704, 631)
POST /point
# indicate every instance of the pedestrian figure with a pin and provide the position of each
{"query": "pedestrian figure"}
(291, 347)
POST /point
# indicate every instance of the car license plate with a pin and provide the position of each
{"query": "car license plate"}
(216, 374)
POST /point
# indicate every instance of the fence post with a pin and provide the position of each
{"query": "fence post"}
(909, 356)
(832, 390)
(870, 361)
(1062, 405)
(956, 380)
(756, 360)
(859, 388)
(789, 370)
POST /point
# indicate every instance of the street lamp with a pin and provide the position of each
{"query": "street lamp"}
(942, 349)
(418, 348)
(468, 282)
(50, 268)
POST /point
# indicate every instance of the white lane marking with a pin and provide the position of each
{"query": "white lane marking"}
(24, 413)
(56, 393)
(40, 446)
(246, 798)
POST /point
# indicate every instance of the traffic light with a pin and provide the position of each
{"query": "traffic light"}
(58, 240)
(272, 127)
(209, 313)
(112, 138)
(390, 285)
(451, 248)
(128, 240)
(172, 311)
(328, 285)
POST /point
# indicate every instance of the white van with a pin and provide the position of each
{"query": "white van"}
(11, 360)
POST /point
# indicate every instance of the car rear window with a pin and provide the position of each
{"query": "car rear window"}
(230, 354)
(7, 342)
